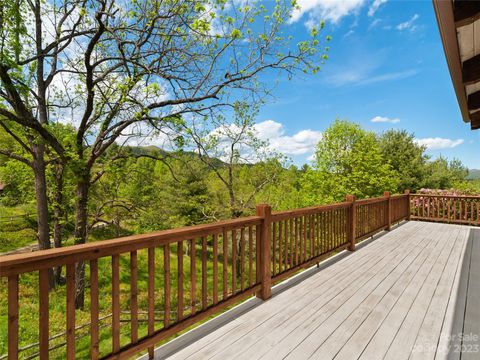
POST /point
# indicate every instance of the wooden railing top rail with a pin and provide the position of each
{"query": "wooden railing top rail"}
(447, 196)
(399, 196)
(281, 215)
(22, 263)
(371, 200)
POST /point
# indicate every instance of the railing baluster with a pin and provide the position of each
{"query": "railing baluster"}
(291, 244)
(250, 256)
(225, 263)
(215, 268)
(285, 245)
(151, 296)
(70, 311)
(180, 281)
(449, 215)
(242, 259)
(115, 303)
(296, 241)
(234, 262)
(166, 284)
(305, 237)
(133, 297)
(274, 250)
(94, 313)
(280, 246)
(301, 238)
(478, 211)
(285, 234)
(13, 317)
(204, 274)
(312, 235)
(257, 254)
(193, 276)
(44, 313)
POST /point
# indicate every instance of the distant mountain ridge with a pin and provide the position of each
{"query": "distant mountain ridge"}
(156, 151)
(473, 174)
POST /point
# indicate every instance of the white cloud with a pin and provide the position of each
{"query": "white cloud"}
(361, 75)
(388, 76)
(374, 24)
(300, 143)
(409, 24)
(374, 6)
(384, 119)
(438, 143)
(328, 10)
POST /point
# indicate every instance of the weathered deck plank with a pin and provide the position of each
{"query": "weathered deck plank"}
(279, 309)
(392, 296)
(471, 327)
(407, 287)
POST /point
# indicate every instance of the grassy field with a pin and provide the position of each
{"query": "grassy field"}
(17, 227)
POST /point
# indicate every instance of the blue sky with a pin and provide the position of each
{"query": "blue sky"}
(386, 63)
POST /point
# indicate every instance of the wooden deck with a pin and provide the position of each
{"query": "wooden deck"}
(395, 298)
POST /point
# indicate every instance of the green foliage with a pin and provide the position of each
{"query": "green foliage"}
(406, 157)
(19, 185)
(348, 160)
(442, 174)
(469, 186)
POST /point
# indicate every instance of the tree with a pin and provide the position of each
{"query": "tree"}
(348, 160)
(19, 146)
(443, 174)
(25, 149)
(237, 145)
(406, 157)
(118, 71)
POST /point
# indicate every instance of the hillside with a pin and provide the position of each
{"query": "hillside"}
(473, 174)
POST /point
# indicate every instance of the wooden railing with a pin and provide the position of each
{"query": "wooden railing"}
(446, 208)
(303, 237)
(191, 273)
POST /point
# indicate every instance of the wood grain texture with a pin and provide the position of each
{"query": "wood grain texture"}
(356, 306)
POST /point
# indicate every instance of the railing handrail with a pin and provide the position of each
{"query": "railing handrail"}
(44, 259)
(280, 215)
(447, 196)
(399, 196)
(371, 200)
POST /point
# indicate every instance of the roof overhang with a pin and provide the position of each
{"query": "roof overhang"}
(459, 25)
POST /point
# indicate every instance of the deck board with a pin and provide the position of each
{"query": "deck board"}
(391, 299)
(471, 325)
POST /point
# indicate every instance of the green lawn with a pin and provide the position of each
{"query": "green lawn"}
(17, 227)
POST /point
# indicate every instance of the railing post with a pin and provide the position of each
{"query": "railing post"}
(352, 222)
(265, 211)
(409, 210)
(389, 210)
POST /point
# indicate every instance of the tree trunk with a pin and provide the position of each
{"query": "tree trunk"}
(58, 215)
(43, 229)
(81, 212)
